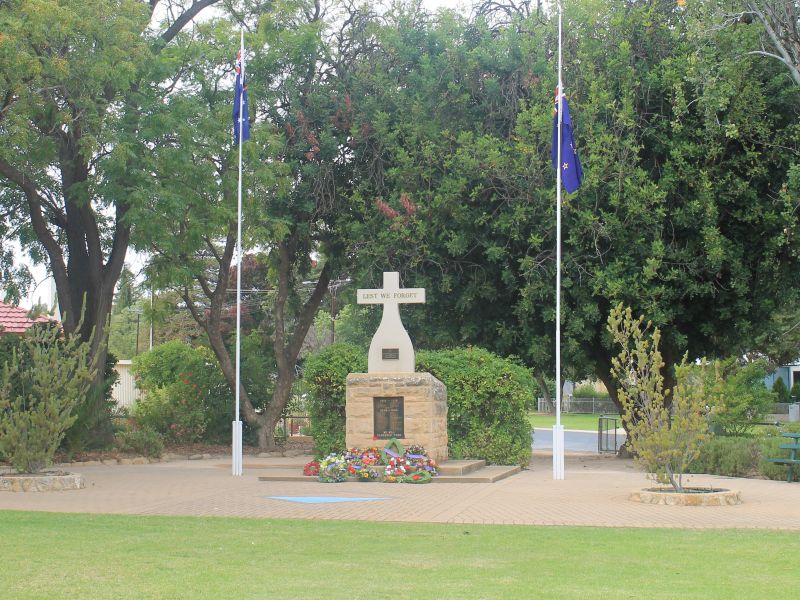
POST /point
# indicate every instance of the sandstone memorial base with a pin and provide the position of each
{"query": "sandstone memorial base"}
(422, 416)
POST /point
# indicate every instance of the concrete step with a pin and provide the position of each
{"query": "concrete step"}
(262, 466)
(285, 475)
(460, 467)
(484, 475)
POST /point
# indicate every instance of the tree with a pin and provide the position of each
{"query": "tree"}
(298, 176)
(780, 390)
(738, 395)
(665, 440)
(128, 293)
(75, 78)
(778, 22)
(687, 212)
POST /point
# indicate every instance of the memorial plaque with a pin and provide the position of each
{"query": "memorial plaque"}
(388, 417)
(390, 354)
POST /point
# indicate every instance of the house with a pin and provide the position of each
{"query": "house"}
(789, 373)
(14, 320)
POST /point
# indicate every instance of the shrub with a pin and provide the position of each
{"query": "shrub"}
(769, 447)
(728, 456)
(175, 411)
(665, 442)
(38, 394)
(795, 393)
(486, 400)
(145, 442)
(738, 395)
(93, 412)
(185, 396)
(325, 373)
(588, 390)
(780, 390)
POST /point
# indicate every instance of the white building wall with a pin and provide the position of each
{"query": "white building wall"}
(125, 392)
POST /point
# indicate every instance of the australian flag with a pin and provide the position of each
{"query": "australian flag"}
(569, 163)
(240, 98)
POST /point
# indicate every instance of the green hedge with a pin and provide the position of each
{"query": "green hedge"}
(728, 456)
(486, 404)
(486, 397)
(325, 373)
(744, 456)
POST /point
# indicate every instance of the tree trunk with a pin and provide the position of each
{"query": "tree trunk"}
(286, 347)
(545, 390)
(603, 372)
(256, 420)
(73, 235)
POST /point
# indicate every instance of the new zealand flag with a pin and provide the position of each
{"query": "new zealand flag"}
(240, 98)
(570, 164)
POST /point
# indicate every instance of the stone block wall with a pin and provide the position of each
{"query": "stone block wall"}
(424, 407)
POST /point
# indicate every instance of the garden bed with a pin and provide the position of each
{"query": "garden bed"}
(46, 481)
(690, 496)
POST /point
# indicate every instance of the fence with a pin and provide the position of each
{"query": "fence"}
(295, 425)
(592, 406)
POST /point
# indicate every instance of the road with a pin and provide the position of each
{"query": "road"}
(581, 441)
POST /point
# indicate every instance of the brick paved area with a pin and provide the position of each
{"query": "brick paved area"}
(594, 493)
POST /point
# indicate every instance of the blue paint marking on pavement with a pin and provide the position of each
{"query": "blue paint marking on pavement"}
(321, 499)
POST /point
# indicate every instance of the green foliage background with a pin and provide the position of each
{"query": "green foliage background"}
(487, 398)
(325, 373)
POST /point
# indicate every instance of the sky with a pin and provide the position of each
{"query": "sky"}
(43, 288)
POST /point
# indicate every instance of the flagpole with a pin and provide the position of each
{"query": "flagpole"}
(558, 429)
(236, 463)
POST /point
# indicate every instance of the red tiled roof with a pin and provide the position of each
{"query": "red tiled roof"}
(14, 319)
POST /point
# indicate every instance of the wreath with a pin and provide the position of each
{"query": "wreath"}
(397, 467)
(392, 449)
(311, 469)
(417, 477)
(333, 469)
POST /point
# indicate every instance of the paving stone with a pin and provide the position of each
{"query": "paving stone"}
(594, 493)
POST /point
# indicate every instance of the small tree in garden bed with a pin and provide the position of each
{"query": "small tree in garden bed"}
(38, 396)
(664, 442)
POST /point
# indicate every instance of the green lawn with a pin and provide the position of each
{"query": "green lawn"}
(568, 420)
(47, 555)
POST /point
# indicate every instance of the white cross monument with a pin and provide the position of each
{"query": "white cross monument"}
(391, 350)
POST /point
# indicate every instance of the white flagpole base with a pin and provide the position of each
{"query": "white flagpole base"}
(558, 452)
(236, 462)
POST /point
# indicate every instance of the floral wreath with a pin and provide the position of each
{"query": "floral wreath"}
(333, 469)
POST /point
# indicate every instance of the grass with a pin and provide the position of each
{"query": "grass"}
(568, 420)
(48, 555)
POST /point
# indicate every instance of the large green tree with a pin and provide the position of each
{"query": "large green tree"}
(75, 76)
(298, 178)
(685, 213)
